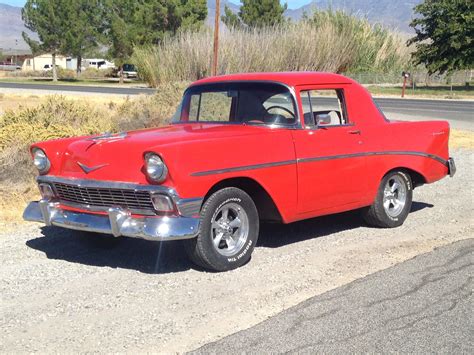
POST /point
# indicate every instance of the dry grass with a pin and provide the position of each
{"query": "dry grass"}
(461, 139)
(331, 41)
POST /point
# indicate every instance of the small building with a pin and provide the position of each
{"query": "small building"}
(40, 62)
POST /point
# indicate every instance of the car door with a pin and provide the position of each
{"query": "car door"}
(331, 168)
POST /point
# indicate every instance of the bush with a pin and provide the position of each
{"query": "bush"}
(60, 117)
(93, 73)
(328, 41)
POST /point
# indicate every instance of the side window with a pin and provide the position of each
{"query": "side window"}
(210, 106)
(324, 107)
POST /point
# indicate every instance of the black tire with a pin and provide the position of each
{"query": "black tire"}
(379, 216)
(202, 251)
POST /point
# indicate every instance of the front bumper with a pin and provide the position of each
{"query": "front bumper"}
(117, 222)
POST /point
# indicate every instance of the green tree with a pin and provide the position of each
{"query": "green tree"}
(230, 19)
(86, 24)
(444, 35)
(256, 13)
(46, 18)
(142, 22)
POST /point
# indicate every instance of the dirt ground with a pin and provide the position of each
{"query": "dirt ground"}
(64, 291)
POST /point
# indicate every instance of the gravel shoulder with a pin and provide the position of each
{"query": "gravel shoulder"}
(65, 291)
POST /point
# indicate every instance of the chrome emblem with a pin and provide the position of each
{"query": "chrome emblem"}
(87, 169)
(109, 137)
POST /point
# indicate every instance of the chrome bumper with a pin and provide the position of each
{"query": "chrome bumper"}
(118, 222)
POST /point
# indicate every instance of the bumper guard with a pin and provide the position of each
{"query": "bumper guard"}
(451, 167)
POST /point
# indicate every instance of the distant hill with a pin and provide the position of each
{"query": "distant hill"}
(11, 27)
(393, 14)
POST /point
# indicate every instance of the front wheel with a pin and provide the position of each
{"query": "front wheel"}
(228, 231)
(393, 201)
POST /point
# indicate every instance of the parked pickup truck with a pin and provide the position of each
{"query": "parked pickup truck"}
(244, 148)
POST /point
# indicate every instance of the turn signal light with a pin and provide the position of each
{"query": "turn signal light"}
(162, 203)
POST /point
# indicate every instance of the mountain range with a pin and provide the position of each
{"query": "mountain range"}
(393, 14)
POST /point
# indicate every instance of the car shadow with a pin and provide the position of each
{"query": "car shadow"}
(418, 206)
(106, 251)
(169, 257)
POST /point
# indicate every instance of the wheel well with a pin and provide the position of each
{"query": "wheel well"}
(416, 178)
(266, 207)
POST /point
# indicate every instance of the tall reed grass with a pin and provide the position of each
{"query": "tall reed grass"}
(328, 41)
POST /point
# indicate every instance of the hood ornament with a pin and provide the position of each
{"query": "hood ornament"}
(87, 169)
(109, 137)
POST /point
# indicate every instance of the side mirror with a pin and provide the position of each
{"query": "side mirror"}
(323, 119)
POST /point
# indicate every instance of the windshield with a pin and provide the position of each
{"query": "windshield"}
(247, 103)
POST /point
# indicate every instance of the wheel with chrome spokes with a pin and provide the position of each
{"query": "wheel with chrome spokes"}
(393, 201)
(228, 231)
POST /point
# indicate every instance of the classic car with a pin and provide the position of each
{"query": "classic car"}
(241, 149)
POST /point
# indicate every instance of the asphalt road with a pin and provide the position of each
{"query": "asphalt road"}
(424, 305)
(459, 113)
(108, 90)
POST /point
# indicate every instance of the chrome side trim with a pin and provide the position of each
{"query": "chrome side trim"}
(315, 159)
(117, 222)
(355, 155)
(245, 167)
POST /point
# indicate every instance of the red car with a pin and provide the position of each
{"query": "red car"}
(242, 148)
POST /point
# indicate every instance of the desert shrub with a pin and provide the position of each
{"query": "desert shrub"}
(329, 41)
(60, 117)
(149, 111)
(30, 74)
(93, 73)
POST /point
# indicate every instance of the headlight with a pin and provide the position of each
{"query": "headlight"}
(155, 167)
(41, 161)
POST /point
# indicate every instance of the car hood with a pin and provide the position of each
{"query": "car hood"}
(119, 157)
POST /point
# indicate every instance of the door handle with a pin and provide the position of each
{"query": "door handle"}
(356, 131)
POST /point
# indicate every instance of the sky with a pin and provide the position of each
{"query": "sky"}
(292, 4)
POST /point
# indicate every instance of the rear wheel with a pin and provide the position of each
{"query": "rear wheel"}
(228, 231)
(393, 201)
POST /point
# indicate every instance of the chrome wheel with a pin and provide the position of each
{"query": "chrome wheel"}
(395, 196)
(230, 229)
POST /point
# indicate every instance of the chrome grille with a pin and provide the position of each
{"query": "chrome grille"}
(135, 201)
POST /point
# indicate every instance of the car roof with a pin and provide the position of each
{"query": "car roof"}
(289, 78)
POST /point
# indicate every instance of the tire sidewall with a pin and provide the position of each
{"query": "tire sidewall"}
(398, 220)
(218, 261)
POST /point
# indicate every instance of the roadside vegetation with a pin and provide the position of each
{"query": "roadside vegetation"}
(328, 41)
(434, 91)
(58, 117)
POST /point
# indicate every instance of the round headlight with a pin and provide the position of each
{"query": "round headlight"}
(41, 161)
(155, 167)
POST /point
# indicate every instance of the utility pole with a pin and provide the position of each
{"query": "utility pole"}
(216, 39)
